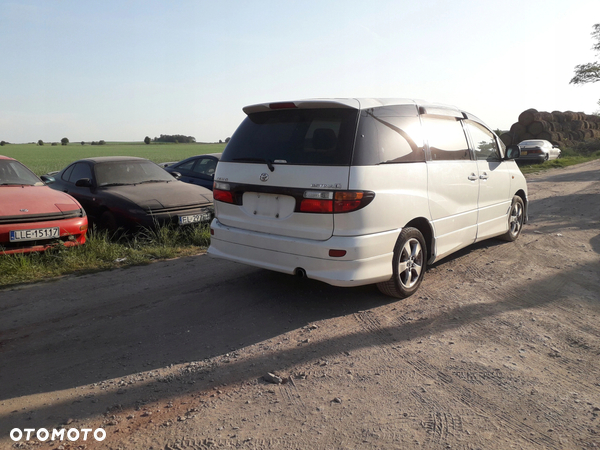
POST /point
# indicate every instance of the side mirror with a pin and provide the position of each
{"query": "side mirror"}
(513, 151)
(83, 182)
(47, 179)
(176, 175)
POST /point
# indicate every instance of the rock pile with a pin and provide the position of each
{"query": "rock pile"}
(563, 129)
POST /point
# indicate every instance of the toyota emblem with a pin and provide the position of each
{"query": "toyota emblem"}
(264, 176)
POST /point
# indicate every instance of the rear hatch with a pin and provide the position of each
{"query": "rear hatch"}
(281, 169)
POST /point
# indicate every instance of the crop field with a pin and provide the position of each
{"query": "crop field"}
(42, 159)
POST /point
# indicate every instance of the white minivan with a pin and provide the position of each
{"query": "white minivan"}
(361, 191)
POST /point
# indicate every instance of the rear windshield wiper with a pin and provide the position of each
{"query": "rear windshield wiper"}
(268, 162)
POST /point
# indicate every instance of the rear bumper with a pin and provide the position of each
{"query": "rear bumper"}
(368, 258)
(535, 158)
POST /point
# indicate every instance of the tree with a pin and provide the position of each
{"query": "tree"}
(590, 72)
(40, 142)
(64, 141)
(147, 140)
(2, 143)
(82, 143)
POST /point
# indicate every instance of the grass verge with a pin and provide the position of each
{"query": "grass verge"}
(102, 252)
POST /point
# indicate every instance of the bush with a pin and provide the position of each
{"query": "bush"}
(588, 147)
(40, 142)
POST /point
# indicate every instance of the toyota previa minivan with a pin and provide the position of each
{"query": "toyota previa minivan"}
(359, 191)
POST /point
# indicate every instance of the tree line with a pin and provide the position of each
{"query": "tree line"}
(173, 138)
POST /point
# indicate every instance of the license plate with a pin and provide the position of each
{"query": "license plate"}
(195, 218)
(524, 152)
(34, 235)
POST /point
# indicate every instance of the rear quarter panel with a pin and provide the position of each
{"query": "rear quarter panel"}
(400, 196)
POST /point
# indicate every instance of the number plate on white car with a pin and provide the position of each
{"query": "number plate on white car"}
(34, 235)
(202, 217)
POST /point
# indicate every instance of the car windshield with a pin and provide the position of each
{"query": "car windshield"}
(130, 172)
(14, 173)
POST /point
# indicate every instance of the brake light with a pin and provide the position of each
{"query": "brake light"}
(223, 196)
(316, 206)
(347, 201)
(335, 202)
(222, 193)
(282, 105)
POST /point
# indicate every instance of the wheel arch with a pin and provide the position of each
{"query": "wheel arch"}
(424, 226)
(521, 193)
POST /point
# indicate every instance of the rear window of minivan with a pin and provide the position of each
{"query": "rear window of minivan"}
(320, 136)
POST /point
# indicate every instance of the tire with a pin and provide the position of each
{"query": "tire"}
(408, 265)
(516, 217)
(109, 222)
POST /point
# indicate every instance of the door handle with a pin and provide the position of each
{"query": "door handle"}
(484, 176)
(472, 177)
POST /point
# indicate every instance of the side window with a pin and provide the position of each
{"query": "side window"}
(81, 170)
(205, 166)
(484, 142)
(186, 166)
(446, 137)
(67, 172)
(389, 135)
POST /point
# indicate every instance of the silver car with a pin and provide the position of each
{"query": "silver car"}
(537, 151)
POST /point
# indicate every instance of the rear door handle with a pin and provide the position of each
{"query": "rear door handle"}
(472, 177)
(484, 176)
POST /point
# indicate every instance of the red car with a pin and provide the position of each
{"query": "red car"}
(34, 217)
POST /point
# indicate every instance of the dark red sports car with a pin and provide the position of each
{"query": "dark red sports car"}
(34, 217)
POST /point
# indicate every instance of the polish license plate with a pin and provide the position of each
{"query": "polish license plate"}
(194, 218)
(35, 234)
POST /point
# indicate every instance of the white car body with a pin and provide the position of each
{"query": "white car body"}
(453, 203)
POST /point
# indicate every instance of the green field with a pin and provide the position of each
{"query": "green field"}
(47, 158)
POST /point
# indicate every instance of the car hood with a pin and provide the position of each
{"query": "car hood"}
(168, 195)
(27, 200)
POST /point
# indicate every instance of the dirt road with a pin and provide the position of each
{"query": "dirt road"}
(499, 349)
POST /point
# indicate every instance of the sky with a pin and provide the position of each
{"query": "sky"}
(123, 70)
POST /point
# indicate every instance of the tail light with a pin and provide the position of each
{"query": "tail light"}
(334, 202)
(222, 192)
